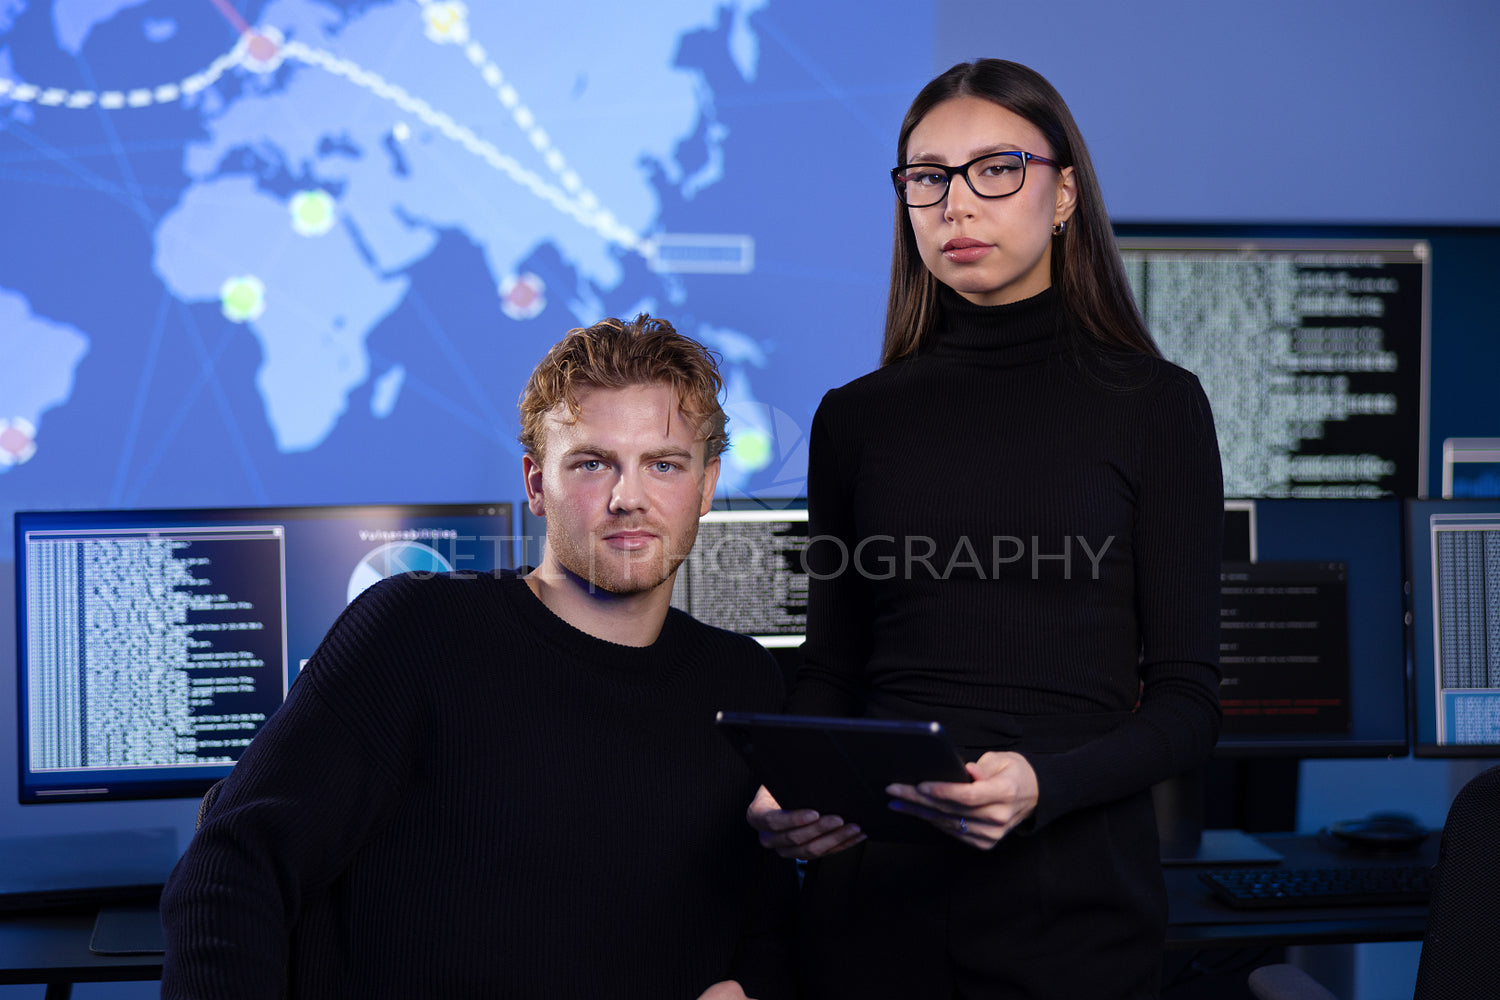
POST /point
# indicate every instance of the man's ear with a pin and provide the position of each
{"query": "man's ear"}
(531, 475)
(710, 483)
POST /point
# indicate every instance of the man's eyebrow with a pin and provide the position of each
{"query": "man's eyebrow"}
(672, 452)
(596, 450)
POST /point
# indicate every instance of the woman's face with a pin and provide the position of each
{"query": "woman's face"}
(989, 250)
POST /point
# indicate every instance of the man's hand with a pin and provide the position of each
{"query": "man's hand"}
(727, 990)
(799, 833)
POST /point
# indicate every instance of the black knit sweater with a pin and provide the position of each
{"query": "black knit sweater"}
(465, 796)
(1018, 534)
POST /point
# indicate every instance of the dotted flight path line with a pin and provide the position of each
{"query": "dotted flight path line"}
(114, 100)
(581, 204)
(583, 208)
(447, 23)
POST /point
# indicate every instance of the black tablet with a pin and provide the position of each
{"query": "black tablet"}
(841, 766)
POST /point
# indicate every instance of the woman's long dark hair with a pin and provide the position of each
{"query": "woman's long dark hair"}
(1086, 265)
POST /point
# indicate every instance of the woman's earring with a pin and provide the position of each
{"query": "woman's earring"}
(1059, 228)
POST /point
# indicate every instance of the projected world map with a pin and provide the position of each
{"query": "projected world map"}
(308, 252)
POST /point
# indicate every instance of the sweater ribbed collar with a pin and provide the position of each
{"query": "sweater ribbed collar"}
(1016, 333)
(628, 663)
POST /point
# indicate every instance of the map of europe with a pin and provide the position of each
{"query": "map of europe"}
(307, 252)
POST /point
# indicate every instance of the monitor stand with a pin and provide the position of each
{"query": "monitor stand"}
(91, 867)
(128, 929)
(1223, 848)
(1179, 821)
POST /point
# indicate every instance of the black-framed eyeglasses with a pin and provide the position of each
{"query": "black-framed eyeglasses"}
(921, 185)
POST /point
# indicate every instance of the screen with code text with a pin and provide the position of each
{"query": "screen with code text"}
(1311, 350)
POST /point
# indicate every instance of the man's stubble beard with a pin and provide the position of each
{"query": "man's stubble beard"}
(620, 574)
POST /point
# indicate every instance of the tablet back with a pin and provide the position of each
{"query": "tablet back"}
(842, 766)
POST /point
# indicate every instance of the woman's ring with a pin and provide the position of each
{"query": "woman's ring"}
(963, 825)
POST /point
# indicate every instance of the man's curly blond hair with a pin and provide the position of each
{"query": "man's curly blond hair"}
(613, 354)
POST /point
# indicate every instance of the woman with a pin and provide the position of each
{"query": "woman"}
(1015, 531)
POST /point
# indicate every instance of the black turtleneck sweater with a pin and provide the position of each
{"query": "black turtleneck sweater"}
(1017, 533)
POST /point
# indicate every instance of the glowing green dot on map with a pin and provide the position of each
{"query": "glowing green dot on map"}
(751, 448)
(242, 299)
(312, 212)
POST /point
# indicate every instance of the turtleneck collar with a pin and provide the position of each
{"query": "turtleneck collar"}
(1016, 333)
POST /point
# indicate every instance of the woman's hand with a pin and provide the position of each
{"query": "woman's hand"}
(980, 812)
(799, 833)
(726, 990)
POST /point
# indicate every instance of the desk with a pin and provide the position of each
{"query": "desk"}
(1196, 920)
(52, 947)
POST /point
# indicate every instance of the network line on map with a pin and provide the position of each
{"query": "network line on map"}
(263, 50)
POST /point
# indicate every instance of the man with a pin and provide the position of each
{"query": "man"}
(504, 786)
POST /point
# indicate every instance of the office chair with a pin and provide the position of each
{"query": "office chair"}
(1461, 949)
(1460, 957)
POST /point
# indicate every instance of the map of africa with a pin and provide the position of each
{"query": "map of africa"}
(308, 252)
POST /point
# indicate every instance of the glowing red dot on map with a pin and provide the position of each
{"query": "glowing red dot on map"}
(523, 296)
(261, 48)
(17, 441)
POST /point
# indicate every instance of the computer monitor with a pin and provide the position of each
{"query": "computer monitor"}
(153, 644)
(1471, 467)
(746, 571)
(1312, 641)
(1312, 648)
(1311, 343)
(1454, 564)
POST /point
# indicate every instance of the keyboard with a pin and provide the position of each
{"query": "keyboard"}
(1276, 888)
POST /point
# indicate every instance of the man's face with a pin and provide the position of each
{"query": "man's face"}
(622, 487)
